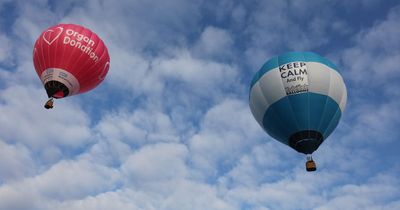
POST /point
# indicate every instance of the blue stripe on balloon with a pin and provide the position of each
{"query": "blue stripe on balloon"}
(290, 57)
(305, 111)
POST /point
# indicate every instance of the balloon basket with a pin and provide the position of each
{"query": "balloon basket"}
(310, 164)
(49, 104)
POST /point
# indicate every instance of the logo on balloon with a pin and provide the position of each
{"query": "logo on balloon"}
(294, 77)
(52, 35)
(103, 73)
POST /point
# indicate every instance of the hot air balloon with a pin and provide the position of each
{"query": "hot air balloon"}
(69, 59)
(298, 98)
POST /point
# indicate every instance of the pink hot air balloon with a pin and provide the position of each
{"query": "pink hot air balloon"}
(69, 59)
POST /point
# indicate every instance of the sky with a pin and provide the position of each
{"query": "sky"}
(170, 127)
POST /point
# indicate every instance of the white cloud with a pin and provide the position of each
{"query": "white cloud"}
(264, 163)
(284, 194)
(183, 136)
(214, 43)
(155, 166)
(185, 195)
(25, 121)
(5, 50)
(29, 24)
(373, 60)
(378, 193)
(120, 133)
(370, 67)
(11, 197)
(275, 24)
(120, 199)
(227, 131)
(202, 76)
(138, 128)
(196, 196)
(138, 25)
(16, 162)
(382, 120)
(131, 71)
(68, 179)
(239, 13)
(320, 191)
(78, 178)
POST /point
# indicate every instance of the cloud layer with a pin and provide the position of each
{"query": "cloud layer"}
(170, 127)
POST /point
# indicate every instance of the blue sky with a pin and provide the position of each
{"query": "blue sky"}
(170, 128)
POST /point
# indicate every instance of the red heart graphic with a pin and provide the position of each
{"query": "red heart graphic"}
(49, 33)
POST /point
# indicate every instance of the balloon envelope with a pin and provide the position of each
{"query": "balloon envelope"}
(298, 99)
(70, 59)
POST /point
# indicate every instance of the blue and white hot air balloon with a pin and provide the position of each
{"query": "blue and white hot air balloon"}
(298, 99)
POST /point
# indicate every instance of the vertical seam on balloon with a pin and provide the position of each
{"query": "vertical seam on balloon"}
(57, 42)
(70, 56)
(325, 105)
(308, 97)
(331, 120)
(42, 58)
(265, 98)
(258, 85)
(63, 62)
(103, 73)
(39, 60)
(289, 102)
(100, 42)
(337, 110)
(53, 54)
(55, 51)
(98, 66)
(280, 122)
(104, 53)
(71, 70)
(89, 70)
(100, 58)
(343, 95)
(48, 55)
(80, 55)
(84, 71)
